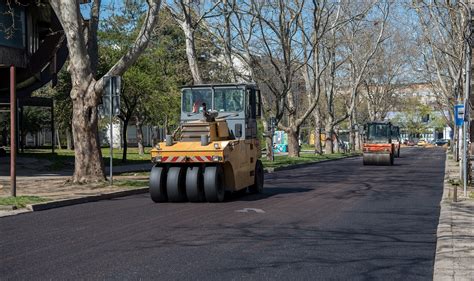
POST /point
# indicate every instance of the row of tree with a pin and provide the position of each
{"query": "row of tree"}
(324, 63)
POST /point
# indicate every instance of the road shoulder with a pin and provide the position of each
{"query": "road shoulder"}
(455, 235)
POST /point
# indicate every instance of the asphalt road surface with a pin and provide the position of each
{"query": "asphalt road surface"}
(338, 220)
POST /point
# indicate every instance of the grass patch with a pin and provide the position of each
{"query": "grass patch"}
(21, 201)
(63, 158)
(131, 183)
(283, 161)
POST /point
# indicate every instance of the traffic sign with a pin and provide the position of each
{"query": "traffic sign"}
(111, 98)
(459, 114)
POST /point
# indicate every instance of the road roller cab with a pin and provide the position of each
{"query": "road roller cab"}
(378, 148)
(396, 140)
(216, 149)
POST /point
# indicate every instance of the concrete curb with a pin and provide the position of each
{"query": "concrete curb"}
(85, 199)
(443, 265)
(303, 165)
(8, 208)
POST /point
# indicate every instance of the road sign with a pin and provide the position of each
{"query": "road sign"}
(111, 107)
(111, 98)
(459, 114)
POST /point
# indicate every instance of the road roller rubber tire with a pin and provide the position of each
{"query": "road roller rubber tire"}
(257, 187)
(175, 184)
(194, 184)
(158, 184)
(214, 189)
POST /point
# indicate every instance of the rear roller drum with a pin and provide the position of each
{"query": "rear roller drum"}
(194, 184)
(378, 159)
(175, 184)
(214, 184)
(158, 184)
(257, 187)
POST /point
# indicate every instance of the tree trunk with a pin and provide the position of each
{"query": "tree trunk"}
(69, 142)
(268, 141)
(58, 137)
(124, 139)
(139, 125)
(357, 141)
(318, 146)
(293, 143)
(337, 147)
(89, 166)
(191, 52)
(329, 131)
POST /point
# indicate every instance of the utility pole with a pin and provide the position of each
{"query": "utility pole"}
(13, 130)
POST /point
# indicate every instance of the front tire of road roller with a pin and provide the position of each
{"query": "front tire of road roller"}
(214, 189)
(175, 184)
(194, 184)
(257, 187)
(158, 184)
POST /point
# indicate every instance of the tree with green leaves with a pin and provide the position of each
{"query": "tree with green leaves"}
(150, 94)
(87, 85)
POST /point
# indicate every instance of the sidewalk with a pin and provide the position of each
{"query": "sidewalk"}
(455, 245)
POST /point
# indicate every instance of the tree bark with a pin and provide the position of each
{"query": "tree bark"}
(69, 142)
(89, 166)
(293, 142)
(191, 52)
(139, 125)
(318, 146)
(124, 139)
(58, 137)
(268, 141)
(329, 131)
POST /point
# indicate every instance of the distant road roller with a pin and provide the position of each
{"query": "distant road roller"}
(378, 148)
(215, 151)
(396, 140)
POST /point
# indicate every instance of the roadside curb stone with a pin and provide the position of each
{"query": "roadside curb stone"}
(85, 199)
(302, 165)
(7, 208)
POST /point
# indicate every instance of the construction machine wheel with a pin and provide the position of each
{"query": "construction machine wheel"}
(158, 184)
(214, 189)
(378, 159)
(257, 187)
(194, 184)
(175, 184)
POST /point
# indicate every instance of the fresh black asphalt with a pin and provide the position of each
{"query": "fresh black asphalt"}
(338, 220)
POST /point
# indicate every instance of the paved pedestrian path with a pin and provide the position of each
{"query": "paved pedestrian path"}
(455, 243)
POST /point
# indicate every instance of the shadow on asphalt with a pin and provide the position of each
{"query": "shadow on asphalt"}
(267, 193)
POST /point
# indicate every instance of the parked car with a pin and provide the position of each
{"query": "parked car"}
(441, 142)
(410, 143)
(421, 142)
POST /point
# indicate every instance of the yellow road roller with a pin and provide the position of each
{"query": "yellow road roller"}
(378, 148)
(216, 149)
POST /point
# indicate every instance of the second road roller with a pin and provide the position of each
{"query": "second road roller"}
(378, 148)
(216, 149)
